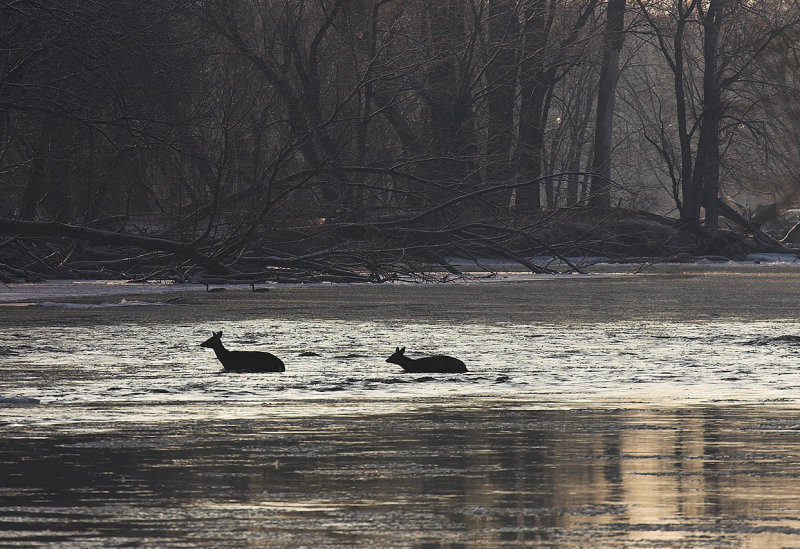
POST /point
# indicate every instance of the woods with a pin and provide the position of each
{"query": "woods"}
(366, 140)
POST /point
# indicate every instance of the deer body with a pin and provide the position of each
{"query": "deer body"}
(243, 361)
(438, 364)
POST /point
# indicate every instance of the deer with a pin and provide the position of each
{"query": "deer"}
(438, 364)
(243, 361)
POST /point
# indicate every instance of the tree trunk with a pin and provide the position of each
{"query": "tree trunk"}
(448, 95)
(36, 186)
(600, 196)
(689, 211)
(707, 166)
(501, 74)
(534, 86)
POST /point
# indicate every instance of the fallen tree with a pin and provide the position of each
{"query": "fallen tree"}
(61, 230)
(407, 247)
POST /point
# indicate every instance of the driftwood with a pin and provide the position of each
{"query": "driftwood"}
(339, 252)
(61, 230)
(417, 246)
(752, 227)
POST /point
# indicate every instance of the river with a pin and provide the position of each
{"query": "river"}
(611, 410)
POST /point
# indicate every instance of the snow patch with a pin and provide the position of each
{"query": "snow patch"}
(121, 303)
(61, 289)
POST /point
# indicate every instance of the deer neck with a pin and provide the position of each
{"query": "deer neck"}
(405, 361)
(220, 350)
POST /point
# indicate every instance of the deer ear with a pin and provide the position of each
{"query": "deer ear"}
(218, 334)
(403, 350)
(397, 349)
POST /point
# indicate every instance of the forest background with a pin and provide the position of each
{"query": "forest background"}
(369, 140)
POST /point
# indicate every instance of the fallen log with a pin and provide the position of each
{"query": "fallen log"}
(751, 226)
(61, 230)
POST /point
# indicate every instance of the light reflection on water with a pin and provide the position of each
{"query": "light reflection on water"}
(614, 362)
(492, 475)
(615, 434)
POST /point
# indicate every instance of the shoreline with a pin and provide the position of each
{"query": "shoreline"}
(674, 293)
(472, 274)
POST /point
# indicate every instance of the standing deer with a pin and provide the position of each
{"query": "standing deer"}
(243, 361)
(438, 364)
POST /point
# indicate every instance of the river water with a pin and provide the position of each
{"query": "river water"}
(609, 410)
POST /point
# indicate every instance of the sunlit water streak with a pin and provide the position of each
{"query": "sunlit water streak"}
(610, 363)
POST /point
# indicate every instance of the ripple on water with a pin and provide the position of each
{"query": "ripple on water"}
(682, 362)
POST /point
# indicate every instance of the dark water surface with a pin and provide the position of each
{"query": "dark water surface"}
(633, 411)
(485, 474)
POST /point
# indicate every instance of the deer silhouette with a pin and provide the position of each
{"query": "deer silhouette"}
(243, 361)
(438, 364)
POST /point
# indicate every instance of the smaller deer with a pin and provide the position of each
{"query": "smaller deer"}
(243, 361)
(438, 364)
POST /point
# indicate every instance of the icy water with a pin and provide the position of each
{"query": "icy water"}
(656, 410)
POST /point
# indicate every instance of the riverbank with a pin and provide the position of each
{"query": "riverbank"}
(674, 292)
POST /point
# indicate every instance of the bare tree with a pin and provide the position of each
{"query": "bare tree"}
(356, 140)
(600, 196)
(712, 51)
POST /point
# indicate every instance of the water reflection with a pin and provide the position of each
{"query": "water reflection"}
(492, 474)
(734, 361)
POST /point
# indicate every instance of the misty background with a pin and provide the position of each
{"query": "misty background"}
(362, 139)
